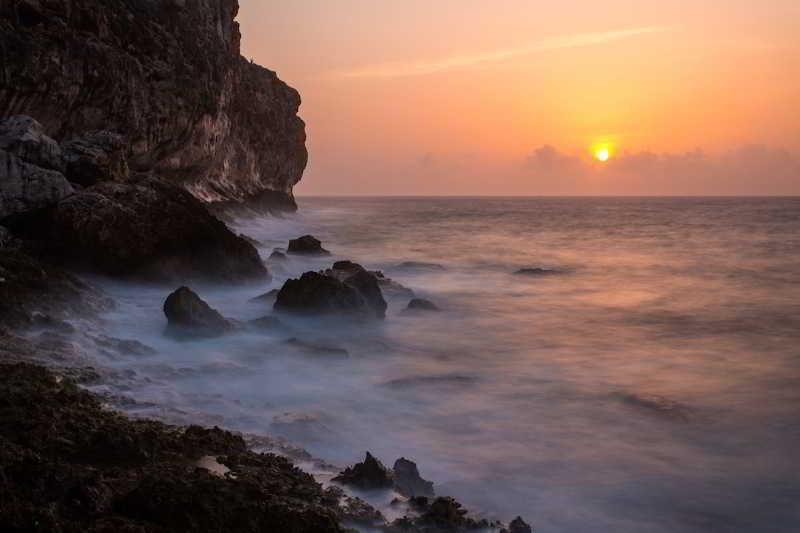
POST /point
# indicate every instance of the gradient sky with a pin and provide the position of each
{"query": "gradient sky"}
(478, 97)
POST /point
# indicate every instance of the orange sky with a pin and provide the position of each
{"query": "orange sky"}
(466, 97)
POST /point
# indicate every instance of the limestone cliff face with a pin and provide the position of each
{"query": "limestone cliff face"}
(169, 77)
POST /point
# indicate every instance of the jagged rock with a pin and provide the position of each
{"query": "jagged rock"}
(24, 137)
(94, 157)
(420, 304)
(188, 315)
(536, 271)
(277, 256)
(166, 75)
(68, 464)
(307, 244)
(25, 187)
(144, 228)
(313, 292)
(407, 480)
(518, 525)
(369, 474)
(446, 513)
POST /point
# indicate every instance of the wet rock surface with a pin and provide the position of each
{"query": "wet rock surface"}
(367, 475)
(333, 292)
(308, 245)
(142, 228)
(189, 316)
(68, 465)
(167, 76)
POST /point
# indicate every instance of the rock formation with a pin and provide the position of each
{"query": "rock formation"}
(189, 316)
(369, 474)
(307, 244)
(169, 79)
(407, 480)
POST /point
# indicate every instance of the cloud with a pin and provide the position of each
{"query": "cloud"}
(396, 70)
(751, 169)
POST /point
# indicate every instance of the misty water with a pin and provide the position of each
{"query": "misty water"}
(651, 384)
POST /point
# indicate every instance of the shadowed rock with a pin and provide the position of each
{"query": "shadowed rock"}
(333, 293)
(518, 525)
(407, 480)
(421, 304)
(368, 475)
(277, 255)
(25, 187)
(190, 316)
(94, 157)
(143, 228)
(307, 244)
(267, 297)
(24, 137)
(536, 271)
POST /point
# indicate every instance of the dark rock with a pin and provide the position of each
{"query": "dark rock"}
(94, 157)
(267, 297)
(25, 187)
(420, 304)
(67, 464)
(348, 268)
(144, 228)
(306, 244)
(658, 405)
(6, 237)
(319, 350)
(190, 316)
(251, 240)
(166, 75)
(536, 271)
(518, 525)
(391, 288)
(368, 475)
(267, 323)
(277, 256)
(420, 266)
(407, 480)
(317, 293)
(24, 137)
(446, 513)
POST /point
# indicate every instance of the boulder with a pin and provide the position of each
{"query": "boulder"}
(407, 480)
(24, 137)
(368, 475)
(189, 316)
(333, 292)
(421, 304)
(94, 157)
(367, 285)
(307, 244)
(518, 525)
(142, 228)
(277, 256)
(27, 187)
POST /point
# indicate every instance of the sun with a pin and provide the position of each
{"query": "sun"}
(602, 153)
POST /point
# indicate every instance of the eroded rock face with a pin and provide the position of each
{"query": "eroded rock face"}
(94, 157)
(25, 187)
(189, 316)
(169, 78)
(143, 228)
(25, 138)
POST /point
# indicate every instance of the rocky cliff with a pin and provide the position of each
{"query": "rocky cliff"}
(168, 76)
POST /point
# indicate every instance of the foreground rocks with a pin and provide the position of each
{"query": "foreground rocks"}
(308, 245)
(143, 228)
(169, 78)
(348, 289)
(68, 465)
(190, 316)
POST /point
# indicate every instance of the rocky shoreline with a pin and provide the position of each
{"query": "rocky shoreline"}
(127, 129)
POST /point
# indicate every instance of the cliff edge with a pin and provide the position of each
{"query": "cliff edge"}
(166, 75)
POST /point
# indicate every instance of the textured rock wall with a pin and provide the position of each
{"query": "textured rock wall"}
(165, 74)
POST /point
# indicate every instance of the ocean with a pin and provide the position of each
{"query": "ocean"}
(647, 379)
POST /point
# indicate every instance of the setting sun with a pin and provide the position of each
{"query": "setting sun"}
(602, 154)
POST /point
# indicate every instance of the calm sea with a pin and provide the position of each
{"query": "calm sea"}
(650, 384)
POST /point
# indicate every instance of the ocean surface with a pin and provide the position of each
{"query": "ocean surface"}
(650, 383)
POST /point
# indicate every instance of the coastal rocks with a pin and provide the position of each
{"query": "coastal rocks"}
(367, 475)
(24, 137)
(24, 186)
(407, 480)
(518, 525)
(421, 304)
(96, 156)
(308, 245)
(277, 256)
(340, 292)
(190, 316)
(536, 271)
(167, 76)
(143, 228)
(67, 464)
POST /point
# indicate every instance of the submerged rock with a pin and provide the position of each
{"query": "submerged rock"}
(407, 480)
(658, 405)
(319, 350)
(368, 475)
(307, 244)
(518, 525)
(536, 271)
(267, 323)
(277, 256)
(144, 228)
(328, 293)
(190, 316)
(420, 265)
(421, 304)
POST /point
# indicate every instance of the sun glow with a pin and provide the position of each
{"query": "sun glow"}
(602, 152)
